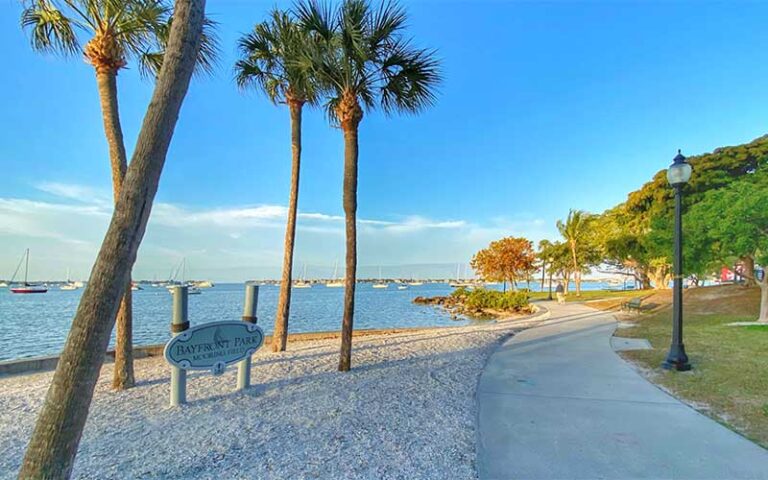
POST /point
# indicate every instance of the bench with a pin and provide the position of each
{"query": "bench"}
(633, 304)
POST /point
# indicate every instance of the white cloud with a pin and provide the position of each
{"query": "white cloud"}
(66, 232)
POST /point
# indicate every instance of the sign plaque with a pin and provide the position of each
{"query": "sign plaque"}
(213, 346)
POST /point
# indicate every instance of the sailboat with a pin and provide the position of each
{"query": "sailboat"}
(380, 283)
(69, 284)
(191, 288)
(458, 283)
(303, 283)
(336, 282)
(26, 287)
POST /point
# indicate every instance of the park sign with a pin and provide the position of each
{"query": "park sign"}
(213, 346)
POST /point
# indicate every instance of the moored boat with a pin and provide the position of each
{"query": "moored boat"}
(26, 287)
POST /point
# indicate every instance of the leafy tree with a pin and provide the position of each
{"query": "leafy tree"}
(365, 62)
(271, 61)
(577, 230)
(733, 222)
(505, 260)
(116, 31)
(52, 448)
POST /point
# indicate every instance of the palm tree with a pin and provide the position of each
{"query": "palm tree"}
(117, 31)
(364, 63)
(271, 63)
(52, 448)
(576, 231)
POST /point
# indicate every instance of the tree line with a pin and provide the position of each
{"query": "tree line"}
(349, 59)
(725, 224)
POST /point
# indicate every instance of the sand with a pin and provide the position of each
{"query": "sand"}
(406, 410)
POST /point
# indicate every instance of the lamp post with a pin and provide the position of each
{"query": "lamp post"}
(678, 175)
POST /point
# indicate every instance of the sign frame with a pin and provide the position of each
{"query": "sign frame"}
(216, 367)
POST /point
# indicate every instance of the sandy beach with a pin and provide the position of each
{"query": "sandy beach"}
(406, 410)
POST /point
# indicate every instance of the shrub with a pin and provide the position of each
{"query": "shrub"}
(482, 298)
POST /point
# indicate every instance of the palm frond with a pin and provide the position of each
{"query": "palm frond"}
(50, 29)
(151, 55)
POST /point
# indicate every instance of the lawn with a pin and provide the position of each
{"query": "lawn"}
(729, 380)
(588, 295)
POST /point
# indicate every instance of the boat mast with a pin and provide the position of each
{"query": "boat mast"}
(26, 268)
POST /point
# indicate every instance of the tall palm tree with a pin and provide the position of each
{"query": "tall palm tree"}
(53, 445)
(365, 63)
(115, 32)
(576, 230)
(270, 62)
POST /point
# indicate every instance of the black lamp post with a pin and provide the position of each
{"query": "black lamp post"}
(678, 175)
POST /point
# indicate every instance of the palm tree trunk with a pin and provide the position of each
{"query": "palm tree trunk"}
(350, 215)
(576, 270)
(280, 335)
(123, 377)
(748, 262)
(52, 448)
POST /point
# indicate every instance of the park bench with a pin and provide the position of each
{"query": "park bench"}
(633, 304)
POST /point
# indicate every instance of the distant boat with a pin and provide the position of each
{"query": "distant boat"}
(204, 284)
(380, 283)
(26, 287)
(135, 286)
(336, 282)
(193, 290)
(459, 283)
(69, 285)
(303, 283)
(402, 287)
(3, 285)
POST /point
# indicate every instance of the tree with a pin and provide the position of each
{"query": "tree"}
(52, 448)
(578, 234)
(117, 31)
(507, 260)
(271, 61)
(733, 222)
(364, 62)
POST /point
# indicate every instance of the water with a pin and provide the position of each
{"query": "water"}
(37, 324)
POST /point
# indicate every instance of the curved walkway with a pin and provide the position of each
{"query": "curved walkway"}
(555, 401)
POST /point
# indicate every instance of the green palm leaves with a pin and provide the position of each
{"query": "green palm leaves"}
(271, 59)
(116, 30)
(363, 55)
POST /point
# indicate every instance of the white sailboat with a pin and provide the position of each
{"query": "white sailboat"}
(380, 283)
(459, 283)
(336, 282)
(69, 285)
(303, 283)
(26, 287)
(191, 288)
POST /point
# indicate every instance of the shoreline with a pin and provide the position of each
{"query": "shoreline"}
(46, 363)
(301, 419)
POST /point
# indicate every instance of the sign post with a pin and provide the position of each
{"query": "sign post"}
(249, 316)
(179, 323)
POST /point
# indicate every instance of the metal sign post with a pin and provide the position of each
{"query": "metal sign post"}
(249, 316)
(179, 323)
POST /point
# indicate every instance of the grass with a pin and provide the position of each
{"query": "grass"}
(589, 295)
(729, 379)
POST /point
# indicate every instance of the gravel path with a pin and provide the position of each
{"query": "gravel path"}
(406, 410)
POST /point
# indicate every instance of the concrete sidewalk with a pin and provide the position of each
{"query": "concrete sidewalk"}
(557, 402)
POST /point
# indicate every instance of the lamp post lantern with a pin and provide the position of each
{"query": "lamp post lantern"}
(678, 175)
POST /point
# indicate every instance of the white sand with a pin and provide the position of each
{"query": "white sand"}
(406, 410)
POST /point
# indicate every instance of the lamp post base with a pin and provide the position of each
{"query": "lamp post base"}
(677, 359)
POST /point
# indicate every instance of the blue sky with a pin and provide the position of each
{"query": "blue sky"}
(545, 107)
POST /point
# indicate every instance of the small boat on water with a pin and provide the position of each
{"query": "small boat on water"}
(402, 287)
(336, 282)
(26, 287)
(69, 284)
(380, 283)
(303, 283)
(3, 284)
(135, 287)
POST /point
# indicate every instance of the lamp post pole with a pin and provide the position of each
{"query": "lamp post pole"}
(551, 259)
(678, 174)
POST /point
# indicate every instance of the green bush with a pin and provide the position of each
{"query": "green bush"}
(482, 298)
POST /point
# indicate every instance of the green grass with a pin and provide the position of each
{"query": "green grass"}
(591, 295)
(730, 366)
